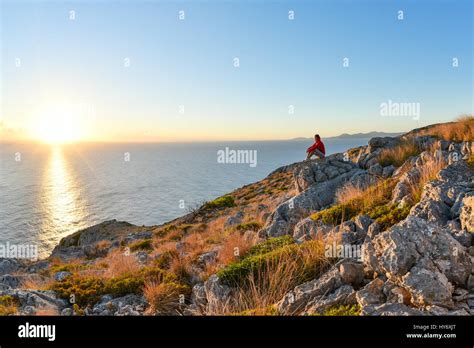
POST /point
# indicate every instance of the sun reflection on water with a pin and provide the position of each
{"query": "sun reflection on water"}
(61, 199)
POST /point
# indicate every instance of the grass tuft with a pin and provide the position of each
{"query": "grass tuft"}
(397, 155)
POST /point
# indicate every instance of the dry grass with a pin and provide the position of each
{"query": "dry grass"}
(348, 193)
(273, 279)
(460, 130)
(9, 309)
(47, 311)
(233, 247)
(428, 172)
(162, 297)
(182, 267)
(120, 263)
(361, 198)
(37, 283)
(397, 155)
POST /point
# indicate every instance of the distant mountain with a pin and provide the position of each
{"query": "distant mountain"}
(356, 136)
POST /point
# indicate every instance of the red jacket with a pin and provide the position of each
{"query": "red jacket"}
(317, 145)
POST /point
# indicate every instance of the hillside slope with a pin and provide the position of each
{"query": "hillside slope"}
(383, 229)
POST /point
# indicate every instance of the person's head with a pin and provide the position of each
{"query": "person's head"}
(317, 137)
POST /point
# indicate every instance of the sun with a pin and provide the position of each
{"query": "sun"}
(57, 125)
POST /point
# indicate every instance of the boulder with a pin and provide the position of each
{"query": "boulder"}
(288, 214)
(388, 171)
(128, 305)
(371, 294)
(8, 281)
(308, 229)
(81, 243)
(234, 220)
(392, 309)
(30, 302)
(345, 295)
(8, 265)
(417, 242)
(315, 172)
(295, 301)
(310, 294)
(382, 142)
(217, 294)
(351, 273)
(60, 276)
(207, 257)
(428, 287)
(375, 169)
(421, 257)
(467, 213)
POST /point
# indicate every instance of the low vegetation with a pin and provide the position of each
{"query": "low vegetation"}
(389, 214)
(427, 172)
(342, 310)
(270, 245)
(470, 160)
(461, 130)
(221, 202)
(87, 289)
(262, 279)
(145, 245)
(249, 226)
(165, 297)
(253, 265)
(8, 305)
(267, 311)
(356, 202)
(397, 155)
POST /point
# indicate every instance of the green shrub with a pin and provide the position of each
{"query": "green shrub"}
(343, 310)
(470, 160)
(236, 274)
(164, 260)
(389, 215)
(270, 245)
(372, 198)
(133, 282)
(87, 290)
(7, 300)
(8, 305)
(221, 202)
(253, 226)
(165, 230)
(335, 214)
(78, 310)
(68, 267)
(146, 244)
(267, 311)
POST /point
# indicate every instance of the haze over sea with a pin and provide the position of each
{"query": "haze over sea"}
(53, 191)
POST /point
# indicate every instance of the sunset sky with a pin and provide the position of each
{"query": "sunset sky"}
(181, 82)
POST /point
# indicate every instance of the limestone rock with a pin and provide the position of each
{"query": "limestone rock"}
(345, 295)
(295, 301)
(371, 294)
(467, 213)
(8, 265)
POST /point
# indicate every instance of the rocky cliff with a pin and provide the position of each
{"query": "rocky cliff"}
(383, 229)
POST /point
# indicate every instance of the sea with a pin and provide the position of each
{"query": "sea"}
(50, 191)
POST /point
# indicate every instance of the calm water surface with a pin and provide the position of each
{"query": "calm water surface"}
(55, 190)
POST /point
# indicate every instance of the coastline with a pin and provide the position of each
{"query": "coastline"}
(393, 231)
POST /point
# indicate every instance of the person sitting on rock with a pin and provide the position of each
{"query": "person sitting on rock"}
(317, 149)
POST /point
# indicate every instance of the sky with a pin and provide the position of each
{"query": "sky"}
(136, 71)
